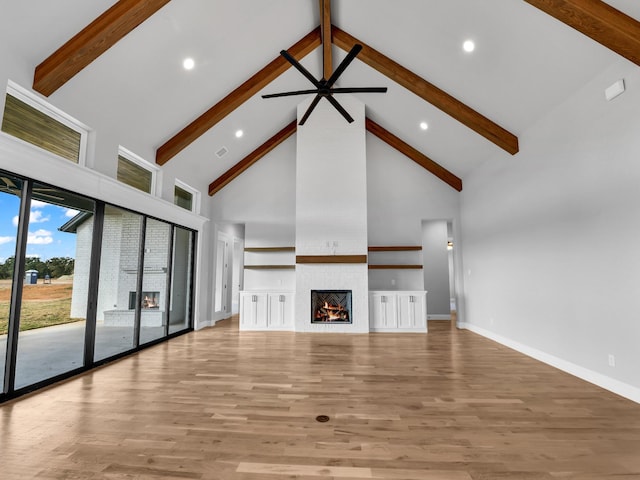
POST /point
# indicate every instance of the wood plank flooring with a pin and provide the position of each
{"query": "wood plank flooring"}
(219, 404)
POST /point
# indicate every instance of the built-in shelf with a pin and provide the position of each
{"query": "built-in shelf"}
(270, 249)
(331, 259)
(395, 267)
(396, 248)
(278, 261)
(270, 267)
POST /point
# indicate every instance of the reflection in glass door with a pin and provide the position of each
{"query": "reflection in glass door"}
(10, 192)
(182, 262)
(54, 296)
(119, 265)
(222, 259)
(153, 298)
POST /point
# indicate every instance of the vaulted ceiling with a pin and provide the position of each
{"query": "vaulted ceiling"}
(120, 71)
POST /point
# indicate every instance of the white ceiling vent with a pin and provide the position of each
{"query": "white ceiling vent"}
(222, 152)
(614, 90)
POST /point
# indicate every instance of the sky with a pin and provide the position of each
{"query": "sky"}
(44, 239)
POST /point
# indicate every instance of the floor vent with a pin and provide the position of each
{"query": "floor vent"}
(222, 152)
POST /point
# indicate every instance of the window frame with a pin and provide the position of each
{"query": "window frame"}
(195, 195)
(44, 107)
(142, 163)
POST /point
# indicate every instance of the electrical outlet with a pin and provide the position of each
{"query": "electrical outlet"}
(612, 360)
(393, 281)
(491, 320)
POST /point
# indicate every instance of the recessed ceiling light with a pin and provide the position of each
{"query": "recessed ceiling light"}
(469, 46)
(239, 133)
(424, 125)
(188, 63)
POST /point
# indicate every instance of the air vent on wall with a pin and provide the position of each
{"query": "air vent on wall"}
(222, 152)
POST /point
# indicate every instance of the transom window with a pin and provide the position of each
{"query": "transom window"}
(33, 120)
(185, 196)
(136, 172)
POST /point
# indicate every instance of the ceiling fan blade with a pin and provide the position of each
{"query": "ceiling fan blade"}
(342, 111)
(313, 105)
(300, 68)
(344, 64)
(289, 94)
(359, 90)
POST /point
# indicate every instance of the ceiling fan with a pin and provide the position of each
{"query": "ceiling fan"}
(324, 88)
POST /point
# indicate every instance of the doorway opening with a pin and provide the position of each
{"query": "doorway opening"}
(439, 252)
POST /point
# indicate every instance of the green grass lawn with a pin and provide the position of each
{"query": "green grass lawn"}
(38, 314)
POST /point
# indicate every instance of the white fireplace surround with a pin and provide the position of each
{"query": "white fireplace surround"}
(331, 210)
(352, 277)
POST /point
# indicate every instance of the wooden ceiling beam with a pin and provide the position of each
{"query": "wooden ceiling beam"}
(252, 158)
(418, 157)
(429, 92)
(325, 25)
(599, 21)
(95, 39)
(228, 104)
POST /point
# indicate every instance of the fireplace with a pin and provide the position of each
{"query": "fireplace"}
(331, 306)
(150, 300)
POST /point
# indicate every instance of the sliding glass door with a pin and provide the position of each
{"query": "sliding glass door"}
(181, 280)
(10, 194)
(153, 297)
(82, 282)
(53, 306)
(118, 282)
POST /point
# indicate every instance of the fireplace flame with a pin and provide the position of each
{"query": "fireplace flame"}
(149, 302)
(332, 313)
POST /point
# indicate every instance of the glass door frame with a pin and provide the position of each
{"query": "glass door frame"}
(9, 391)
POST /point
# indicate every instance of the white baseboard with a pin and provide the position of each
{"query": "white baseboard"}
(203, 324)
(620, 388)
(438, 317)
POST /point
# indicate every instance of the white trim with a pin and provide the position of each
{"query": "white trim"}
(142, 163)
(620, 388)
(25, 159)
(33, 100)
(195, 195)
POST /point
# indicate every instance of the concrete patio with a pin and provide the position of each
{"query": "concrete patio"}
(47, 352)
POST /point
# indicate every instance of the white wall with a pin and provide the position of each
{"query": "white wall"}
(263, 199)
(552, 242)
(401, 194)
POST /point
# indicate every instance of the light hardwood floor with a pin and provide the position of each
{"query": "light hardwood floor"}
(219, 404)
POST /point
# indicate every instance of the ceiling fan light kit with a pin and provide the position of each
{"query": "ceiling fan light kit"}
(324, 88)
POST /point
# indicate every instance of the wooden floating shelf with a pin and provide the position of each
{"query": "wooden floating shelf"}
(392, 248)
(270, 267)
(331, 259)
(395, 267)
(270, 249)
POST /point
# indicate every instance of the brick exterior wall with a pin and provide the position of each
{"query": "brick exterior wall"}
(119, 266)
